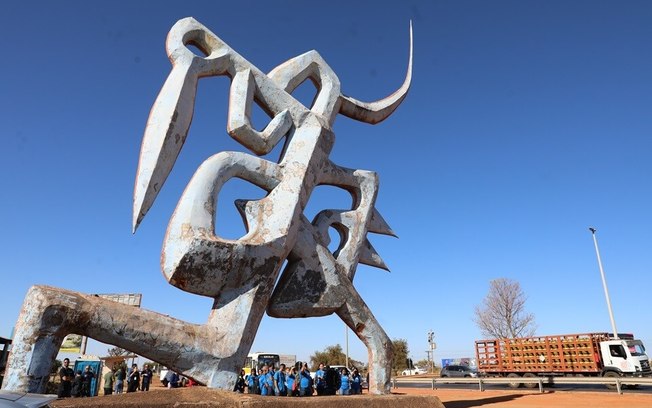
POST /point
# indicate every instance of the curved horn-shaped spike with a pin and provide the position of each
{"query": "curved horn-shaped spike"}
(374, 112)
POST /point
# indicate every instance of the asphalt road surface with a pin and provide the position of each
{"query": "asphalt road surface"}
(641, 389)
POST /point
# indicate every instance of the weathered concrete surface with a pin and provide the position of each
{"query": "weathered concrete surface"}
(48, 314)
(203, 397)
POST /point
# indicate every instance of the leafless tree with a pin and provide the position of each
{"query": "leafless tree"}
(502, 313)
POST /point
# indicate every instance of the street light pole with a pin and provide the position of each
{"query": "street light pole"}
(604, 283)
(346, 335)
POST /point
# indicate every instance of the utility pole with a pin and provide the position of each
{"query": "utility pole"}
(604, 283)
(346, 335)
(431, 354)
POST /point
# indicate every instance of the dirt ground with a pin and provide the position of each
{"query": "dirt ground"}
(408, 397)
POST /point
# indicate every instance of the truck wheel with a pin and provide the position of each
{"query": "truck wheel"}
(528, 384)
(514, 384)
(611, 374)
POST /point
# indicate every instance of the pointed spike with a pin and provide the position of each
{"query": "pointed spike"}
(241, 206)
(378, 225)
(369, 256)
(165, 134)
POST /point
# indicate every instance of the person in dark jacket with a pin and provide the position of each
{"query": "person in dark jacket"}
(240, 383)
(77, 385)
(145, 378)
(332, 380)
(356, 382)
(134, 379)
(66, 375)
(87, 378)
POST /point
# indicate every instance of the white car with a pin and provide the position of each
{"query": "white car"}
(414, 371)
(10, 399)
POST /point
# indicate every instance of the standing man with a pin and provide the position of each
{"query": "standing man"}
(320, 379)
(119, 380)
(87, 378)
(134, 379)
(279, 382)
(305, 381)
(108, 383)
(145, 378)
(263, 384)
(66, 375)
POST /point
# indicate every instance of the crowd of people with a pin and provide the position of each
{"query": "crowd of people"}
(297, 381)
(74, 384)
(79, 384)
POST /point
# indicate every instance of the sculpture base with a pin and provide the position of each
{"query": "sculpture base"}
(205, 397)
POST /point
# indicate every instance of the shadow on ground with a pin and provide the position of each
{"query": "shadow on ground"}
(480, 402)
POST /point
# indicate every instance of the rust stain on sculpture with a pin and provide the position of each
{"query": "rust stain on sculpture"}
(240, 275)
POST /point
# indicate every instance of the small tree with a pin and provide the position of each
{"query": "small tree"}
(333, 355)
(502, 313)
(423, 364)
(401, 353)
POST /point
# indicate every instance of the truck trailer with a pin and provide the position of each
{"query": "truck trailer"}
(589, 354)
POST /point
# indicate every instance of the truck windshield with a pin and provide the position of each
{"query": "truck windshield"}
(636, 348)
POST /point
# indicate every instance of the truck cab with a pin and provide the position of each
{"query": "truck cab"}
(626, 357)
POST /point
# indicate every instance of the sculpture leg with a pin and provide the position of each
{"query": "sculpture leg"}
(313, 284)
(49, 314)
(357, 315)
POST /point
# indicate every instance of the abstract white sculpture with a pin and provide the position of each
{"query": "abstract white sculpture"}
(238, 274)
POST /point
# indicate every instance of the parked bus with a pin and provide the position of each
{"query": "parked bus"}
(257, 360)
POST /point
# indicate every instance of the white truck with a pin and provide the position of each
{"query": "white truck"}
(589, 354)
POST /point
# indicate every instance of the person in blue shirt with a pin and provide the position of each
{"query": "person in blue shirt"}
(291, 379)
(279, 382)
(172, 379)
(320, 379)
(345, 382)
(266, 381)
(356, 382)
(305, 382)
(252, 382)
(270, 380)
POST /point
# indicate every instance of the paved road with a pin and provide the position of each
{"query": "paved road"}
(558, 387)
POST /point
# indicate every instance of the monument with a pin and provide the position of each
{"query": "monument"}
(240, 275)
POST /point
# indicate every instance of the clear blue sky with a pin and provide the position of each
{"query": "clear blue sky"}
(527, 122)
